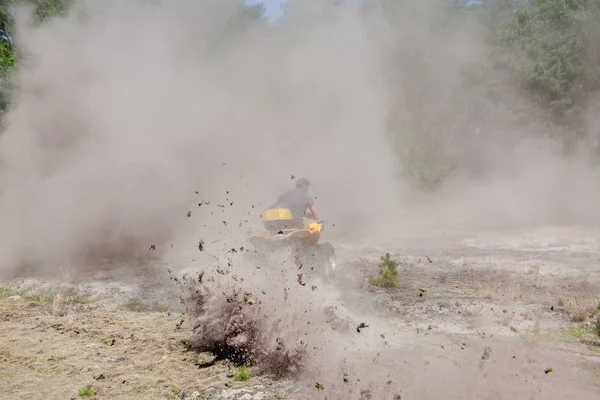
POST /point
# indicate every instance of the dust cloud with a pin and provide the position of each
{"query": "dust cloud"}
(284, 327)
(124, 110)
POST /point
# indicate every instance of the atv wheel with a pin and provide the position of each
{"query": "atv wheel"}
(327, 261)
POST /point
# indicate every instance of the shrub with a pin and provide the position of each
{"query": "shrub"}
(242, 374)
(86, 392)
(388, 273)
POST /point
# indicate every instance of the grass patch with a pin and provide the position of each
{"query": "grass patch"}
(78, 300)
(242, 374)
(4, 293)
(86, 391)
(136, 305)
(579, 332)
(39, 298)
(534, 270)
(533, 334)
(388, 273)
(45, 298)
(160, 307)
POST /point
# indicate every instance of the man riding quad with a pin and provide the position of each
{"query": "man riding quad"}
(286, 230)
(297, 201)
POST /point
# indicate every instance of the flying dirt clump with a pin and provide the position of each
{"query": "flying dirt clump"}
(235, 326)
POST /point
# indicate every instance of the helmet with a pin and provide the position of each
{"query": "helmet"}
(302, 183)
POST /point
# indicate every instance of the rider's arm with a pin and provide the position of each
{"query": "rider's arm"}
(313, 210)
(275, 204)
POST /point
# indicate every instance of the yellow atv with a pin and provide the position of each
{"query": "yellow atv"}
(283, 233)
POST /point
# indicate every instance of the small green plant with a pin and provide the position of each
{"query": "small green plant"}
(598, 306)
(160, 307)
(242, 374)
(533, 270)
(533, 335)
(388, 273)
(86, 391)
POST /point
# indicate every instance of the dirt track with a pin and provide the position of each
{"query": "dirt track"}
(490, 317)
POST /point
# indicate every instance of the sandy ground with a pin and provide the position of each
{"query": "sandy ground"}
(489, 316)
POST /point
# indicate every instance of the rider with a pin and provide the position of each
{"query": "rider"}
(297, 201)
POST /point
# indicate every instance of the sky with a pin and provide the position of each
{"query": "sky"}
(273, 9)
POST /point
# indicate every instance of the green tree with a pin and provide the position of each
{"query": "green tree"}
(536, 71)
(7, 55)
(43, 9)
(551, 47)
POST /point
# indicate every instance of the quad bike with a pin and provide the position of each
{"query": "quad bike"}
(283, 234)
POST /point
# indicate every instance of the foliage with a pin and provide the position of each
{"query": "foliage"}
(45, 9)
(388, 273)
(597, 327)
(551, 47)
(242, 374)
(86, 392)
(7, 63)
(7, 57)
(536, 69)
